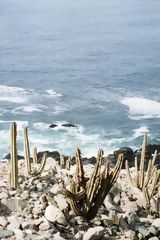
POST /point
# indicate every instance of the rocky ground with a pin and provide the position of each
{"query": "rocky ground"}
(39, 210)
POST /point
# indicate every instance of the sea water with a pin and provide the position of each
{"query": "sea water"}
(93, 63)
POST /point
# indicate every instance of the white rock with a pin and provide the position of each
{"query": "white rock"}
(37, 210)
(3, 221)
(19, 234)
(61, 201)
(94, 233)
(3, 195)
(45, 225)
(57, 236)
(54, 214)
(156, 222)
(15, 223)
(55, 189)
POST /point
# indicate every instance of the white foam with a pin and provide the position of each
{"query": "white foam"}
(27, 109)
(140, 131)
(12, 94)
(141, 108)
(52, 93)
(41, 126)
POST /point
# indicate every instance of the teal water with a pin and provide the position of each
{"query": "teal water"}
(93, 63)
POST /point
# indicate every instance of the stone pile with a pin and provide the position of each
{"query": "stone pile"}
(38, 209)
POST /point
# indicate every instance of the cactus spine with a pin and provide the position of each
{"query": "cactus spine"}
(37, 171)
(14, 163)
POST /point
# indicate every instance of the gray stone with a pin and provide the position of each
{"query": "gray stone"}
(5, 233)
(57, 236)
(94, 233)
(54, 214)
(15, 205)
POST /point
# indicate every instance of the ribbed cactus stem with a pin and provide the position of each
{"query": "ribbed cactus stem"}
(34, 172)
(142, 160)
(27, 151)
(35, 159)
(14, 163)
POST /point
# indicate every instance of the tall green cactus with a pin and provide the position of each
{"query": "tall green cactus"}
(86, 196)
(14, 163)
(37, 171)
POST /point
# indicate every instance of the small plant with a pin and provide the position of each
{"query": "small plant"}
(35, 171)
(86, 196)
(146, 179)
(13, 162)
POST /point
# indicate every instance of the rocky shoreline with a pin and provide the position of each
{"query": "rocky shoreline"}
(38, 209)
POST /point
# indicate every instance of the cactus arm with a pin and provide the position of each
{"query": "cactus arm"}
(128, 172)
(27, 151)
(14, 163)
(35, 159)
(142, 161)
(41, 167)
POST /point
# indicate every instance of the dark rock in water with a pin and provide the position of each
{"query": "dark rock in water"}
(53, 154)
(127, 151)
(69, 125)
(91, 160)
(53, 125)
(111, 158)
(8, 157)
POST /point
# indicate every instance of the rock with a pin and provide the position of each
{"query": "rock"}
(45, 225)
(20, 235)
(5, 233)
(156, 223)
(3, 195)
(53, 154)
(143, 231)
(15, 223)
(57, 236)
(61, 202)
(94, 233)
(153, 238)
(53, 125)
(3, 221)
(69, 125)
(79, 235)
(54, 214)
(130, 234)
(25, 195)
(37, 210)
(15, 205)
(8, 157)
(55, 189)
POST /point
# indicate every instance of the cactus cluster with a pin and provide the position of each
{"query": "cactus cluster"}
(36, 170)
(65, 164)
(14, 162)
(147, 180)
(86, 196)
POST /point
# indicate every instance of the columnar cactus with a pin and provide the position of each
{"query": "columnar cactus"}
(147, 179)
(14, 163)
(36, 171)
(86, 196)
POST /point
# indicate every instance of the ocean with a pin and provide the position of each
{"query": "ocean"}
(93, 63)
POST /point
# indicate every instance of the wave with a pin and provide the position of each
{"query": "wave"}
(28, 109)
(142, 108)
(140, 131)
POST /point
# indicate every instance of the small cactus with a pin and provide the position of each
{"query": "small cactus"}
(86, 196)
(14, 163)
(147, 180)
(36, 171)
